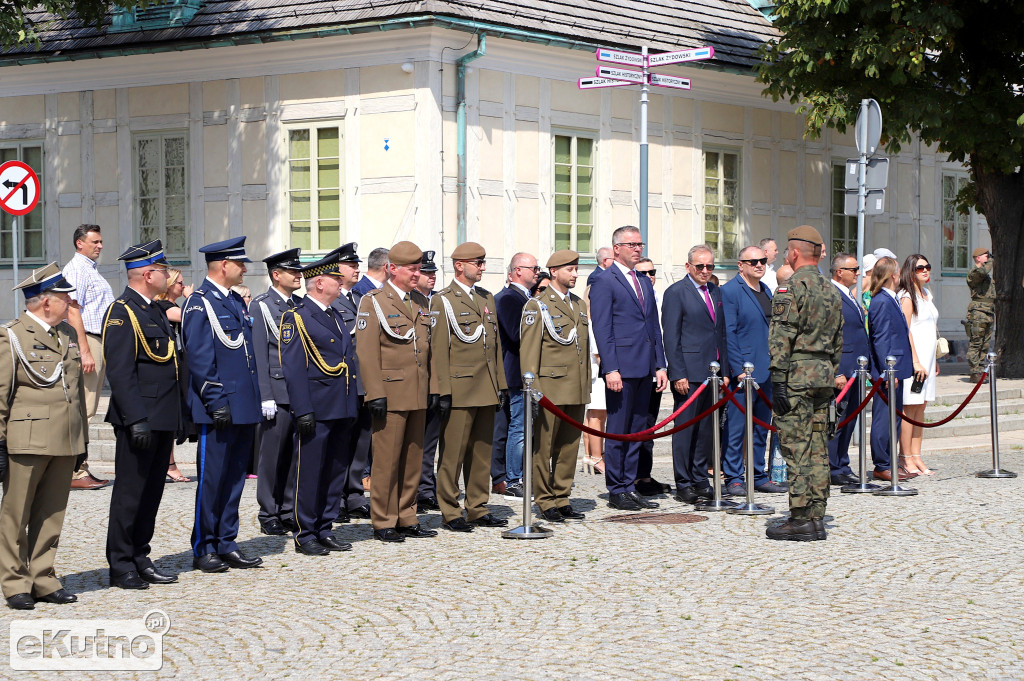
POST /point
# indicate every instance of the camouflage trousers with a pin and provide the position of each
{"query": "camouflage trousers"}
(980, 325)
(804, 445)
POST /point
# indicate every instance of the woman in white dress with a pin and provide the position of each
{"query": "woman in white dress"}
(923, 319)
(597, 413)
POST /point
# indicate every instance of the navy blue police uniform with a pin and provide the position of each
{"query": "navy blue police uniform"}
(224, 392)
(319, 362)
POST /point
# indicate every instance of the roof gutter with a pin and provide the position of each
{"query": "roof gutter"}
(460, 125)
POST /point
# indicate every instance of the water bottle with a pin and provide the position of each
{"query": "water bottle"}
(778, 472)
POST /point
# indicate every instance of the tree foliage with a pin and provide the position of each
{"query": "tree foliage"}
(20, 19)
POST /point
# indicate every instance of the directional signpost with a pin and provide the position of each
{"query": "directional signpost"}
(19, 194)
(608, 76)
(866, 177)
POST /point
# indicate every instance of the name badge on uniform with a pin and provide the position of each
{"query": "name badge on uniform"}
(393, 315)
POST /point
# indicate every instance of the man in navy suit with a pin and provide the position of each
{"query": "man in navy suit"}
(746, 301)
(376, 272)
(625, 323)
(319, 362)
(604, 261)
(889, 335)
(694, 324)
(224, 400)
(855, 344)
(507, 452)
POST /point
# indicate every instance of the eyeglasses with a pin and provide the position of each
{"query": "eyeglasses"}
(535, 268)
(631, 244)
(753, 262)
(701, 267)
(923, 268)
(850, 269)
(650, 273)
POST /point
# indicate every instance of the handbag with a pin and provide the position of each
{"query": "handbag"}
(941, 347)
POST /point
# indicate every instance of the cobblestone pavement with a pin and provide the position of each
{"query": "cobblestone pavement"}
(924, 587)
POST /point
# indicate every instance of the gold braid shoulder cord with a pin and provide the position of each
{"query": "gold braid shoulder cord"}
(140, 336)
(314, 353)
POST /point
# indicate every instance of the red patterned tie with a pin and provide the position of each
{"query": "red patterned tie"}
(639, 293)
(707, 301)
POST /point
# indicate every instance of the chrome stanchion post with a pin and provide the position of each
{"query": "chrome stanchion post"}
(526, 530)
(996, 471)
(750, 508)
(716, 504)
(863, 486)
(894, 489)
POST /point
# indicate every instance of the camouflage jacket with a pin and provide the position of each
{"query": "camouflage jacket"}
(983, 287)
(805, 337)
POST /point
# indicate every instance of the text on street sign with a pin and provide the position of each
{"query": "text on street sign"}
(695, 54)
(591, 83)
(620, 74)
(670, 81)
(620, 57)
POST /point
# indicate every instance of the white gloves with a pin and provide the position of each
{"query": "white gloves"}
(269, 408)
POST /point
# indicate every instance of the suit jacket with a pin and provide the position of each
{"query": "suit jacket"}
(365, 285)
(142, 388)
(628, 335)
(471, 373)
(746, 328)
(510, 301)
(855, 337)
(349, 311)
(890, 335)
(562, 371)
(692, 340)
(390, 367)
(265, 344)
(594, 275)
(42, 420)
(219, 375)
(308, 331)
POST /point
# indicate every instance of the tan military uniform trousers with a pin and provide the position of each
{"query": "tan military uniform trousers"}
(397, 463)
(465, 446)
(554, 464)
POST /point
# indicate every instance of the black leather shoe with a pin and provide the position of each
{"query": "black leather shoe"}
(312, 548)
(360, 512)
(771, 488)
(60, 597)
(457, 525)
(819, 528)
(489, 520)
(551, 515)
(273, 527)
(332, 543)
(644, 503)
(649, 488)
(389, 534)
(154, 576)
(704, 492)
(844, 479)
(129, 580)
(289, 524)
(416, 531)
(343, 517)
(623, 502)
(687, 495)
(237, 559)
(21, 602)
(794, 529)
(427, 504)
(569, 514)
(211, 562)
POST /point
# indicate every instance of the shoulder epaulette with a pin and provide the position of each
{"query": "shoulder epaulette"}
(262, 296)
(11, 324)
(373, 292)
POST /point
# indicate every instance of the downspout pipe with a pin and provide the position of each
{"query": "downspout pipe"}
(460, 125)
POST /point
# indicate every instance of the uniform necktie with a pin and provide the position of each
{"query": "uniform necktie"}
(408, 303)
(707, 301)
(636, 285)
(53, 335)
(291, 302)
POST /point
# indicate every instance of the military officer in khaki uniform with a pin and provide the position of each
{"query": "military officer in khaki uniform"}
(471, 385)
(555, 347)
(42, 429)
(393, 349)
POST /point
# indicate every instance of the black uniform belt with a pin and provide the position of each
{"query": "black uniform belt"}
(809, 355)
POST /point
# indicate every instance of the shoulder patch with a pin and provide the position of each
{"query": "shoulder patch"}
(782, 289)
(287, 332)
(361, 324)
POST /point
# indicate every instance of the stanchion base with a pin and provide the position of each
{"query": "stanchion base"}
(995, 473)
(715, 505)
(750, 508)
(896, 492)
(860, 488)
(530, 532)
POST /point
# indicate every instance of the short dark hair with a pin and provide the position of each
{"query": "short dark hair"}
(642, 260)
(838, 259)
(765, 241)
(377, 259)
(621, 231)
(82, 230)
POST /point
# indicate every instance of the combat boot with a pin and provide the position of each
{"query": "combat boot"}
(819, 529)
(794, 529)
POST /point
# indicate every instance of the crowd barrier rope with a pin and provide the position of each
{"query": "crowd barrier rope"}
(956, 412)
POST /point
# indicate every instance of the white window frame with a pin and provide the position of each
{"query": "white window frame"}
(838, 208)
(737, 207)
(591, 135)
(19, 145)
(314, 233)
(174, 256)
(957, 216)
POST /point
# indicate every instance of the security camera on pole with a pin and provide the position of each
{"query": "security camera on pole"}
(608, 76)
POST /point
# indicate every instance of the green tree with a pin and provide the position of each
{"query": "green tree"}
(18, 18)
(948, 71)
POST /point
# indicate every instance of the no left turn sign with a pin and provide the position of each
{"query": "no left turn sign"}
(19, 188)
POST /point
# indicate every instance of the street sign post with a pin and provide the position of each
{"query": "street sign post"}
(877, 174)
(866, 178)
(19, 194)
(592, 83)
(619, 57)
(695, 54)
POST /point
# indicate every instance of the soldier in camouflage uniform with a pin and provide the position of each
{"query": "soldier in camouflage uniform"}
(981, 312)
(805, 339)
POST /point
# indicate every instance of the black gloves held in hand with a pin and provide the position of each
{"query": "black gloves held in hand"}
(3, 459)
(378, 410)
(141, 435)
(444, 406)
(780, 399)
(432, 400)
(221, 417)
(502, 400)
(305, 425)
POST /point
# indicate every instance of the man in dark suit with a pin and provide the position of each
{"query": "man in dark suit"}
(146, 410)
(426, 495)
(604, 261)
(855, 344)
(746, 301)
(376, 272)
(507, 452)
(694, 324)
(275, 482)
(625, 323)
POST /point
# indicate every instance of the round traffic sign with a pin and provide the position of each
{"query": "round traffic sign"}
(19, 188)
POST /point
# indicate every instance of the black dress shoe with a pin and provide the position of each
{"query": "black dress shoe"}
(794, 529)
(273, 527)
(457, 525)
(416, 531)
(360, 512)
(154, 576)
(819, 528)
(343, 517)
(687, 495)
(21, 602)
(289, 524)
(489, 520)
(569, 514)
(705, 492)
(649, 488)
(60, 597)
(389, 534)
(623, 502)
(312, 548)
(237, 559)
(552, 516)
(211, 562)
(427, 504)
(844, 479)
(644, 503)
(129, 580)
(332, 543)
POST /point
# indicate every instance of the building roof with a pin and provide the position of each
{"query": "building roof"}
(733, 27)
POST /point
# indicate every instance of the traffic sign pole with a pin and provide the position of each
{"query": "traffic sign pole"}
(644, 87)
(14, 235)
(862, 194)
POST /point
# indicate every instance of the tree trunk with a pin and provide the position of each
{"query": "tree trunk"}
(1000, 198)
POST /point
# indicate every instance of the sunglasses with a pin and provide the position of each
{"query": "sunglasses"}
(701, 267)
(535, 268)
(651, 273)
(850, 269)
(631, 244)
(753, 262)
(923, 268)
(479, 262)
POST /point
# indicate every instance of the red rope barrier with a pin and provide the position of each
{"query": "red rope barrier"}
(956, 412)
(732, 398)
(677, 412)
(867, 399)
(846, 389)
